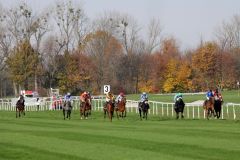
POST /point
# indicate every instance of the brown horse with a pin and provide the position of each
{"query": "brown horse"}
(85, 109)
(20, 108)
(208, 107)
(121, 108)
(109, 109)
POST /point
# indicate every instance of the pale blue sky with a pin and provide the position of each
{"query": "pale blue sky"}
(187, 20)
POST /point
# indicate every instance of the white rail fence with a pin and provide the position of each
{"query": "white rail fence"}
(162, 109)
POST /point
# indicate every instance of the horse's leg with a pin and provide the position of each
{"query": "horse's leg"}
(70, 111)
(16, 112)
(177, 115)
(110, 115)
(104, 114)
(82, 113)
(140, 113)
(117, 113)
(219, 111)
(182, 116)
(208, 113)
(64, 114)
(86, 114)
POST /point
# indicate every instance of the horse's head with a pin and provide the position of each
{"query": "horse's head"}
(123, 100)
(144, 105)
(67, 104)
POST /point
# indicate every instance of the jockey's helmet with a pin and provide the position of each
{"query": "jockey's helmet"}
(68, 93)
(84, 92)
(144, 93)
(121, 94)
(179, 94)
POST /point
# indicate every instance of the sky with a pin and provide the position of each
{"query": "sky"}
(189, 21)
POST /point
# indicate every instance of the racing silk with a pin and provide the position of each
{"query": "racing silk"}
(110, 98)
(67, 98)
(119, 98)
(177, 97)
(83, 97)
(218, 96)
(143, 97)
(209, 94)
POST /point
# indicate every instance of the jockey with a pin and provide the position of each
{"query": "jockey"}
(177, 97)
(209, 94)
(68, 97)
(109, 97)
(144, 97)
(217, 95)
(119, 97)
(85, 96)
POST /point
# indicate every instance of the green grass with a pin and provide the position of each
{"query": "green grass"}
(45, 135)
(228, 96)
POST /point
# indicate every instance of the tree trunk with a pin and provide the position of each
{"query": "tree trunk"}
(35, 83)
(15, 89)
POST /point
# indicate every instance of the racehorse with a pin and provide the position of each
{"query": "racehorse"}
(121, 108)
(85, 109)
(218, 107)
(109, 109)
(67, 108)
(179, 107)
(143, 108)
(20, 108)
(208, 107)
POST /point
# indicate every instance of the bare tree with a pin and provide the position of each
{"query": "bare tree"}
(228, 34)
(154, 35)
(71, 22)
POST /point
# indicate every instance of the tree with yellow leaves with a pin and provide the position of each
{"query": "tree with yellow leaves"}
(204, 63)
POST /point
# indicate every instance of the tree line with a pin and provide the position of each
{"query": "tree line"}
(62, 48)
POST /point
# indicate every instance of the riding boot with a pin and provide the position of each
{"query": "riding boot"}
(105, 106)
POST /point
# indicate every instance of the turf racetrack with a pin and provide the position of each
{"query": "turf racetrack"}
(46, 136)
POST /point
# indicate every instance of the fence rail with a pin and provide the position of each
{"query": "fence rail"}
(162, 109)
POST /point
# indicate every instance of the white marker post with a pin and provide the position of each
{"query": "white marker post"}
(106, 89)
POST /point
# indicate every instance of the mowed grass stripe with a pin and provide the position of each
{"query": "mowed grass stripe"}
(97, 138)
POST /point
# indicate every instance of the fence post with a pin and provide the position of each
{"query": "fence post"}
(198, 112)
(167, 109)
(193, 111)
(162, 110)
(234, 114)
